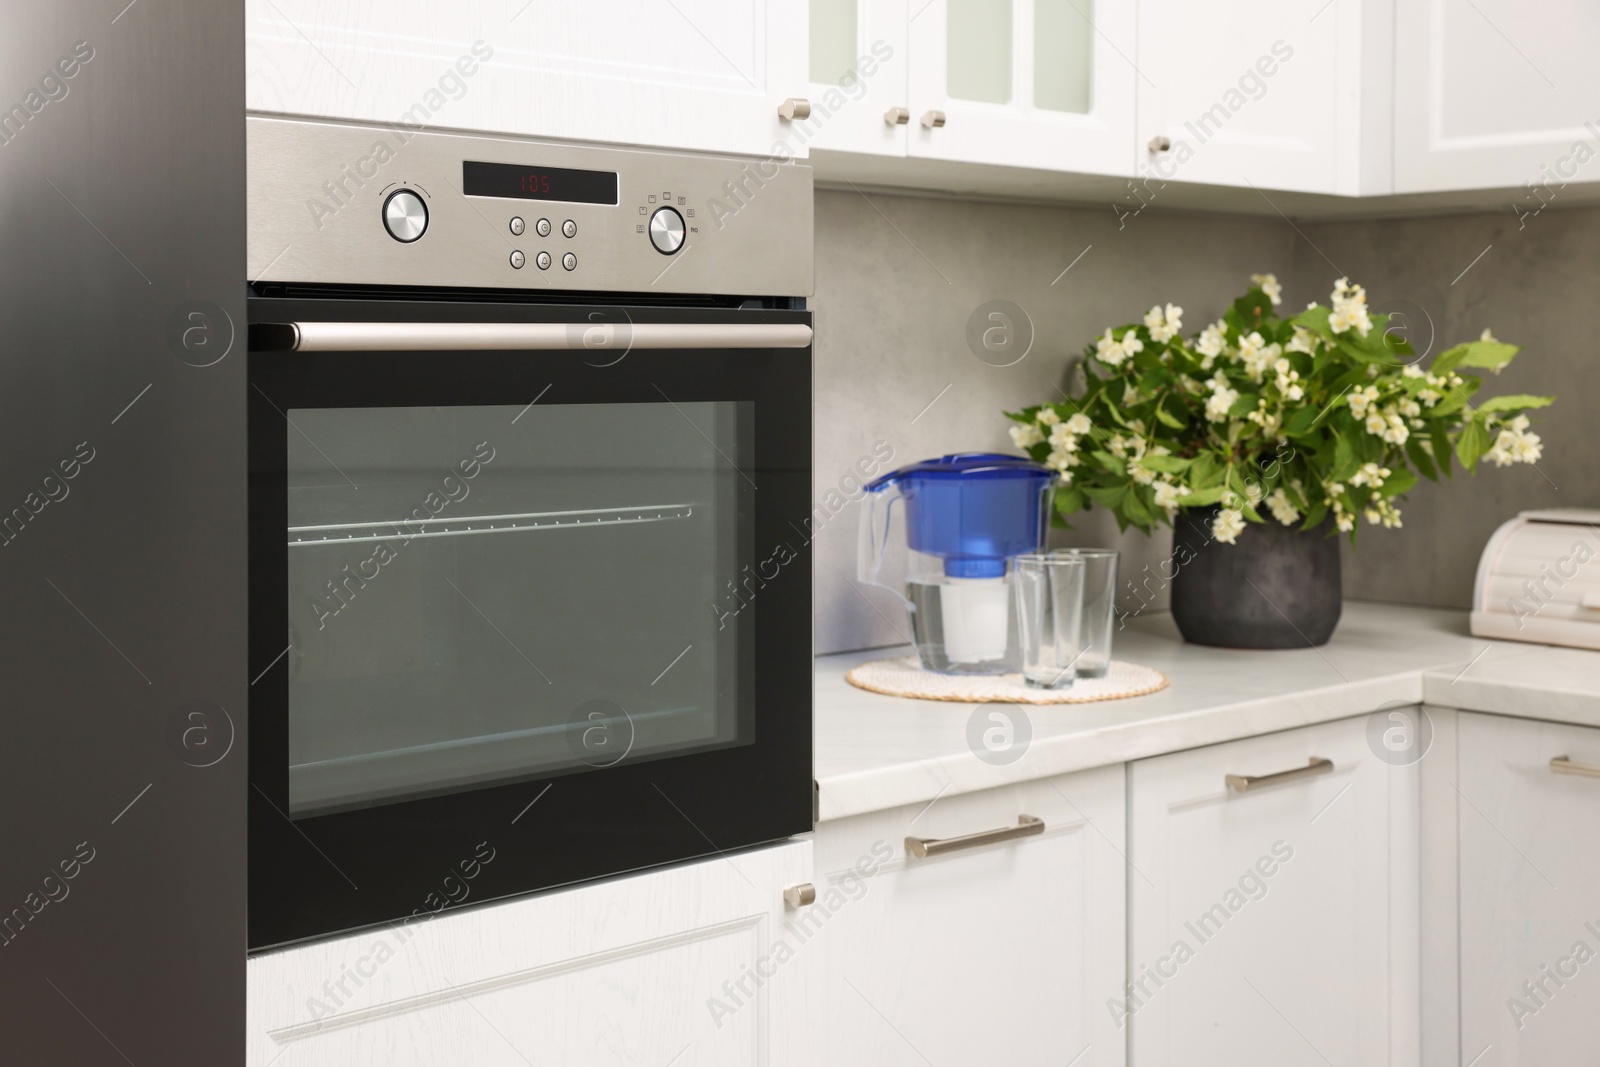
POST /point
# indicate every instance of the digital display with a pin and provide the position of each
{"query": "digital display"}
(513, 181)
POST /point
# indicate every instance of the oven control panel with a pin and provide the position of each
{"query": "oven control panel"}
(346, 203)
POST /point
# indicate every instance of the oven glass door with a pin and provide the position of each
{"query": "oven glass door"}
(552, 607)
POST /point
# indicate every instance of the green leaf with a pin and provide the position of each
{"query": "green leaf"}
(1516, 402)
(1362, 355)
(1472, 444)
(1166, 464)
(1441, 447)
(1448, 360)
(1487, 354)
(1315, 319)
(1167, 419)
(1398, 482)
(1199, 498)
(1244, 405)
(1344, 459)
(1420, 458)
(1069, 500)
(1205, 472)
(1110, 462)
(1315, 513)
(1136, 510)
(1106, 496)
(1455, 399)
(1301, 421)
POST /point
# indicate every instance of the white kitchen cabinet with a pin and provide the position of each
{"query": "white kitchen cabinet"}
(640, 970)
(1047, 84)
(857, 72)
(1276, 925)
(1003, 953)
(699, 74)
(1529, 893)
(1493, 93)
(1263, 93)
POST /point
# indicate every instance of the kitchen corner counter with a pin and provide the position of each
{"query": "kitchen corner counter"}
(875, 752)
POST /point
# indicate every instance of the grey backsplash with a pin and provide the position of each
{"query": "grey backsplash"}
(898, 278)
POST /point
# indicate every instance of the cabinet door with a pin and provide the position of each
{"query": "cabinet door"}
(998, 954)
(1493, 93)
(1251, 93)
(678, 966)
(1271, 925)
(857, 72)
(702, 74)
(1047, 84)
(1530, 892)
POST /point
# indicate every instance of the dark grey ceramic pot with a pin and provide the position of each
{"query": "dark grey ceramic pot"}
(1277, 587)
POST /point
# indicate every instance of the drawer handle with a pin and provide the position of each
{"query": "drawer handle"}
(1243, 783)
(1563, 765)
(932, 120)
(800, 896)
(794, 109)
(923, 847)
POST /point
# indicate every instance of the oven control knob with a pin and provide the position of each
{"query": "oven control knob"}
(666, 230)
(405, 216)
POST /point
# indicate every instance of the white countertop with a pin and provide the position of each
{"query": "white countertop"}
(875, 752)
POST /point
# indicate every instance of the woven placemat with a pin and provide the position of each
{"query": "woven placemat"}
(906, 678)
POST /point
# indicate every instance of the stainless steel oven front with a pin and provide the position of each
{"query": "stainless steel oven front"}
(530, 445)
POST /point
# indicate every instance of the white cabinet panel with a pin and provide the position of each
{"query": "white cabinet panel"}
(1000, 954)
(1494, 93)
(1047, 84)
(857, 71)
(1530, 893)
(654, 969)
(703, 74)
(1257, 92)
(1275, 925)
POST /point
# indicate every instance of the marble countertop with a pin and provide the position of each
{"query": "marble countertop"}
(875, 752)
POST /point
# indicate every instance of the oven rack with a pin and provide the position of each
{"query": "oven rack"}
(412, 529)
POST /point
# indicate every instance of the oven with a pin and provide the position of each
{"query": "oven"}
(529, 477)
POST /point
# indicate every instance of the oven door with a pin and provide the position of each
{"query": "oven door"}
(530, 599)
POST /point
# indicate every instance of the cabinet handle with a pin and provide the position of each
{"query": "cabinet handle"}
(923, 847)
(1243, 783)
(796, 107)
(1563, 765)
(932, 119)
(1160, 144)
(897, 116)
(799, 896)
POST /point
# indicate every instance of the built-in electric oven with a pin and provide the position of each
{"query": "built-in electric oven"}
(530, 447)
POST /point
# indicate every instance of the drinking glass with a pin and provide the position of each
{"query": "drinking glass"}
(1049, 591)
(1099, 607)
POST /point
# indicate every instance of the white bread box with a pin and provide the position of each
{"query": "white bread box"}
(1539, 580)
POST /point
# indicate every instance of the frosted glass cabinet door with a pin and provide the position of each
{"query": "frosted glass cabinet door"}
(1047, 84)
(857, 71)
(699, 74)
(1495, 93)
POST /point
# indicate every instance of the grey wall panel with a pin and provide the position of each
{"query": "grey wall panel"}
(122, 478)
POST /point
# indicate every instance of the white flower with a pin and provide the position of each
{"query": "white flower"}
(1141, 474)
(1269, 285)
(1213, 340)
(1412, 371)
(1376, 423)
(1062, 438)
(1410, 408)
(1220, 400)
(1282, 508)
(1349, 309)
(1370, 474)
(1397, 431)
(1048, 416)
(1487, 337)
(1169, 495)
(1302, 341)
(1109, 350)
(1059, 461)
(1026, 436)
(1164, 325)
(1360, 399)
(1429, 397)
(1515, 444)
(1079, 423)
(1345, 521)
(1227, 526)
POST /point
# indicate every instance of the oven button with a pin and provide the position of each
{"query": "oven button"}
(405, 216)
(569, 228)
(543, 259)
(517, 259)
(666, 230)
(543, 227)
(569, 261)
(517, 225)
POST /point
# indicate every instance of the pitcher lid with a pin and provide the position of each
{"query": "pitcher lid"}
(983, 466)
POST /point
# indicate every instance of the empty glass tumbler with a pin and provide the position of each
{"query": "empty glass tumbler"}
(1049, 598)
(1099, 607)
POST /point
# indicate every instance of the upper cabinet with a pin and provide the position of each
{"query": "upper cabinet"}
(1492, 94)
(1265, 94)
(698, 74)
(856, 69)
(1047, 84)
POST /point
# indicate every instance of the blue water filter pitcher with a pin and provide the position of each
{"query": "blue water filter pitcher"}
(940, 535)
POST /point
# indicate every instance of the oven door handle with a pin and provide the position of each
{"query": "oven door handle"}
(544, 336)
